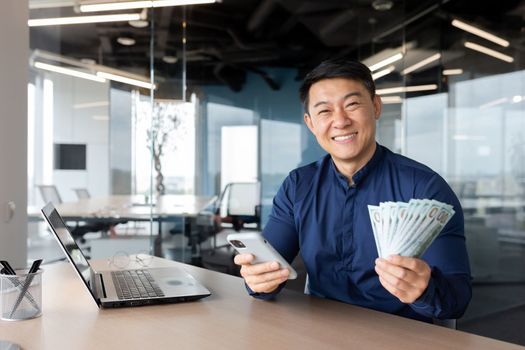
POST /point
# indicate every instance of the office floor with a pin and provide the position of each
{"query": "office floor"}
(496, 310)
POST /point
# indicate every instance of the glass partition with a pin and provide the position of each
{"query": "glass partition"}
(83, 144)
(469, 130)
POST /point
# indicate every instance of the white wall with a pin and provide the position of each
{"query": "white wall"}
(75, 123)
(14, 43)
(80, 115)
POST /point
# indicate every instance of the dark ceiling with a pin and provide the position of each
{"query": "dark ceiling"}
(226, 40)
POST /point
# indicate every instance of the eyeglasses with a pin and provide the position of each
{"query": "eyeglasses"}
(121, 259)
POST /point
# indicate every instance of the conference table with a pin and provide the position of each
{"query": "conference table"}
(134, 207)
(228, 319)
(165, 208)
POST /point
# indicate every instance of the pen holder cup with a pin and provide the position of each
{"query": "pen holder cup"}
(21, 295)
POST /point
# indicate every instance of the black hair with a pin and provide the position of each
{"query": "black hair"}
(337, 68)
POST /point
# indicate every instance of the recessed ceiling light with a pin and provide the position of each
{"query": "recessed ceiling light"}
(139, 24)
(382, 5)
(170, 59)
(126, 41)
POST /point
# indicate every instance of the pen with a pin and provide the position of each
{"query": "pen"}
(7, 267)
(35, 266)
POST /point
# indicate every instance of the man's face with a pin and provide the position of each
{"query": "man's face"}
(342, 116)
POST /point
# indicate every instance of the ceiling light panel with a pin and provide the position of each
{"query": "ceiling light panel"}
(386, 62)
(490, 52)
(421, 64)
(454, 71)
(387, 100)
(126, 80)
(401, 89)
(383, 72)
(128, 5)
(68, 71)
(82, 19)
(479, 32)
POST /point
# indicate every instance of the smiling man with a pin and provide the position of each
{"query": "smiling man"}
(321, 211)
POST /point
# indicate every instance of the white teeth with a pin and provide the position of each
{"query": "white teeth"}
(342, 138)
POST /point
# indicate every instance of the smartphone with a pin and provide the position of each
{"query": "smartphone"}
(255, 244)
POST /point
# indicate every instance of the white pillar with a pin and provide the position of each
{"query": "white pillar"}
(14, 48)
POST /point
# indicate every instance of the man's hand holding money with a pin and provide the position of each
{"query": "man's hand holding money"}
(404, 277)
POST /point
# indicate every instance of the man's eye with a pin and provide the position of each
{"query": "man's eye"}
(352, 104)
(323, 112)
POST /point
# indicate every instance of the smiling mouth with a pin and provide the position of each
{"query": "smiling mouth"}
(344, 137)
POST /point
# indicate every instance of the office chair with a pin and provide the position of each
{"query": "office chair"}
(238, 207)
(240, 204)
(82, 193)
(50, 194)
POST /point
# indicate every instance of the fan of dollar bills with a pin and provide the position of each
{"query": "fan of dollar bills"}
(408, 229)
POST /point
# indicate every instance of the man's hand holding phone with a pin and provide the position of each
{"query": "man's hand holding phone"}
(262, 277)
(262, 267)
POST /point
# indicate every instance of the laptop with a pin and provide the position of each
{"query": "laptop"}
(129, 287)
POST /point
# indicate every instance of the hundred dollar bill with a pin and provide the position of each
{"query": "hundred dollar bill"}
(375, 220)
(423, 234)
(399, 216)
(425, 211)
(385, 225)
(414, 213)
(420, 245)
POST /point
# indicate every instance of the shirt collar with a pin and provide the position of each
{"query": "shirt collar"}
(361, 173)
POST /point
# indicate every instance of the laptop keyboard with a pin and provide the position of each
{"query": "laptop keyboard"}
(135, 284)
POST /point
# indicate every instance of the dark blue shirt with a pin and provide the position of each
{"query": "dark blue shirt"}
(318, 213)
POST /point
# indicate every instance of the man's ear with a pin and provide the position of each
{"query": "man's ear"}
(308, 122)
(378, 105)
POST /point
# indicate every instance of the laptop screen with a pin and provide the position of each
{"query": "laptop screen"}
(68, 244)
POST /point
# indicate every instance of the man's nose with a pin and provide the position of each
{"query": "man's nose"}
(341, 119)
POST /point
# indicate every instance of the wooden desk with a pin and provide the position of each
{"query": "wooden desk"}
(228, 319)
